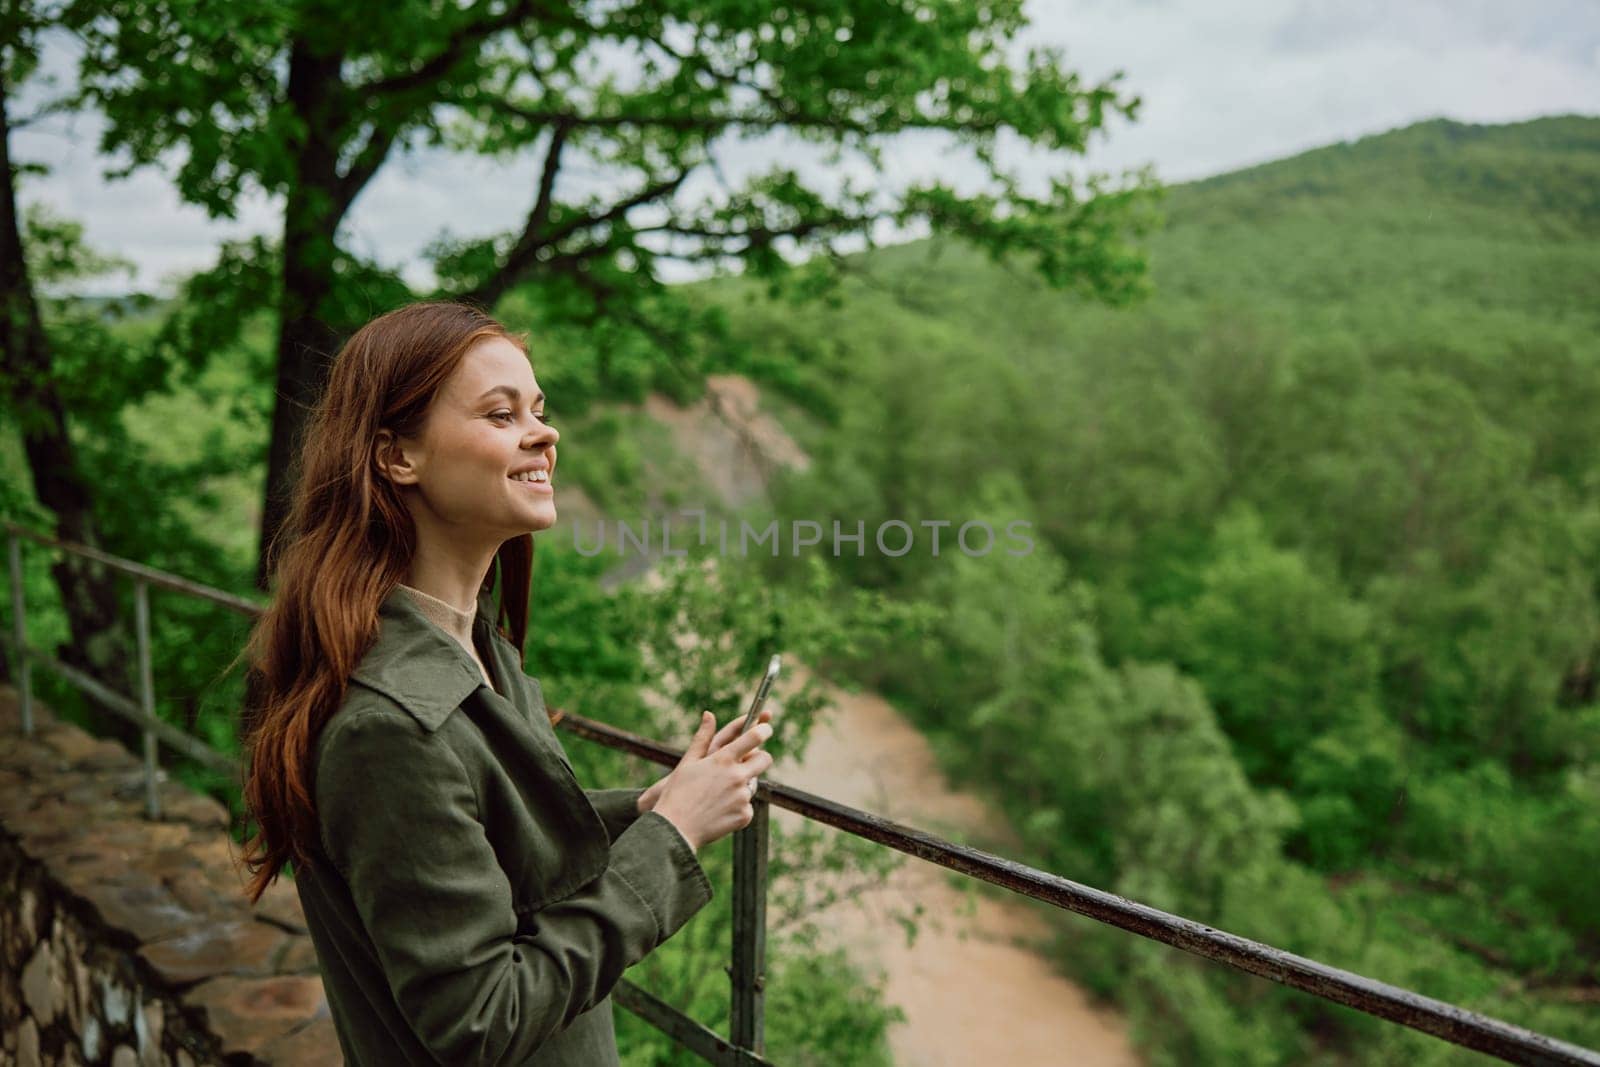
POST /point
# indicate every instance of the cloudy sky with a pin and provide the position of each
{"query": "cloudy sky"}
(1225, 84)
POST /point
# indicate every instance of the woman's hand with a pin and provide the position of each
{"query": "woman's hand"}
(729, 731)
(710, 794)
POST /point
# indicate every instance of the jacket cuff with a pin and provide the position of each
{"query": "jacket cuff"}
(656, 861)
(617, 808)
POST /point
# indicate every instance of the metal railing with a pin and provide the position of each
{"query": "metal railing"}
(141, 712)
(745, 1045)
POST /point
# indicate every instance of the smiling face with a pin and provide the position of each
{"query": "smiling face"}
(480, 470)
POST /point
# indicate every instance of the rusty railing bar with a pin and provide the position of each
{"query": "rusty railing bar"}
(19, 633)
(147, 695)
(192, 747)
(692, 1035)
(152, 575)
(747, 973)
(1436, 1017)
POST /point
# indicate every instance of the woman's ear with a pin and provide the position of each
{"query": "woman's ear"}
(390, 460)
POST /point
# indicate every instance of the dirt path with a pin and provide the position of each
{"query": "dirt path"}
(972, 991)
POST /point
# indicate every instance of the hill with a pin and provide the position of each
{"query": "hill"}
(1308, 647)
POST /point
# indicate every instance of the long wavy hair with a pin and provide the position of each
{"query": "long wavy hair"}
(346, 542)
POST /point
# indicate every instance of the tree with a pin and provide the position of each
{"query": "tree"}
(32, 395)
(309, 99)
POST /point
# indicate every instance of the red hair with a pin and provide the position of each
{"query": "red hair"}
(346, 542)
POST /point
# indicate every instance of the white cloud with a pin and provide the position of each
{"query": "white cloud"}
(1224, 84)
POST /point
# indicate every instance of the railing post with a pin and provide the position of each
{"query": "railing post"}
(748, 970)
(19, 633)
(147, 695)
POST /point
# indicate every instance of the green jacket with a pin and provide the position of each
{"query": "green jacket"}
(471, 902)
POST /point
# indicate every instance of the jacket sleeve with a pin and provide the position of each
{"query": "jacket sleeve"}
(400, 822)
(617, 808)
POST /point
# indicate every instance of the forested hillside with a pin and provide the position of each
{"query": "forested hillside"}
(1306, 646)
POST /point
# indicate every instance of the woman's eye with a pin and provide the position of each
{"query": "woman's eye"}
(541, 416)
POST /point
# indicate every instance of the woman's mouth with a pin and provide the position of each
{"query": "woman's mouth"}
(534, 481)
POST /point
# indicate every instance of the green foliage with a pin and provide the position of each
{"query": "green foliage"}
(309, 101)
(1282, 650)
(1291, 663)
(22, 22)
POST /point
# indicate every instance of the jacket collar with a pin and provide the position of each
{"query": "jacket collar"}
(422, 668)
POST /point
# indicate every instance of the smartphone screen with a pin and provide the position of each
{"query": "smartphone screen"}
(761, 693)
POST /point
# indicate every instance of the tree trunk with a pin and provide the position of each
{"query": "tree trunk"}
(98, 641)
(306, 340)
(305, 345)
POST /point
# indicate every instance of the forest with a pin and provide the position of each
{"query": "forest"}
(1308, 651)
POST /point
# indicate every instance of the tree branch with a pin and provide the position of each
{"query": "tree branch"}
(665, 187)
(786, 110)
(46, 110)
(525, 254)
(681, 122)
(462, 42)
(764, 236)
(364, 166)
(539, 217)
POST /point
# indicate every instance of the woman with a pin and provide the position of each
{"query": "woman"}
(469, 902)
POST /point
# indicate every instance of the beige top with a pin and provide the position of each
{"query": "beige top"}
(453, 621)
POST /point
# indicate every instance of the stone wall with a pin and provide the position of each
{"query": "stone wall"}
(130, 942)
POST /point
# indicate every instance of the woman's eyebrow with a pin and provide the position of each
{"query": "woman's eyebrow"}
(511, 391)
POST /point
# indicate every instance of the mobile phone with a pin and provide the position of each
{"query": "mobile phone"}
(761, 693)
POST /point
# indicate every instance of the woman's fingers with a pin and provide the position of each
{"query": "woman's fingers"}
(731, 728)
(751, 738)
(724, 735)
(736, 724)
